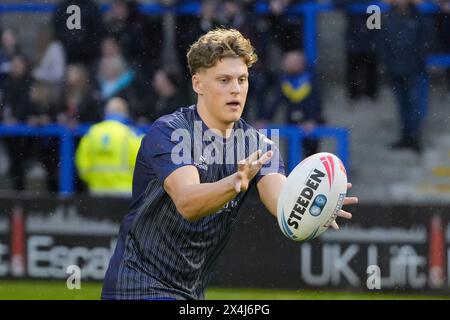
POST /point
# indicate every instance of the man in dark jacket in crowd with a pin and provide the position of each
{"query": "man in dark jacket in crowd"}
(361, 68)
(16, 108)
(81, 45)
(402, 47)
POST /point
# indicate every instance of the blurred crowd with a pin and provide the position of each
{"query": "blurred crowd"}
(123, 53)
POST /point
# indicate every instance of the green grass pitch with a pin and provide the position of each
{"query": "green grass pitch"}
(57, 290)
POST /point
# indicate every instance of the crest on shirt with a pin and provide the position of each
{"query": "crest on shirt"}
(201, 163)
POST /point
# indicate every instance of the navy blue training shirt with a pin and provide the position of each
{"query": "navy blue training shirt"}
(159, 254)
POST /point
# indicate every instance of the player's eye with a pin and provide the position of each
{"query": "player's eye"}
(242, 80)
(223, 80)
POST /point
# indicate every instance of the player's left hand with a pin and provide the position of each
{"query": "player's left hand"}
(248, 168)
(343, 213)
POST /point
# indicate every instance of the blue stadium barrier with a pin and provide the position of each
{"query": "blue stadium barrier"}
(425, 7)
(26, 7)
(438, 60)
(67, 137)
(295, 135)
(66, 150)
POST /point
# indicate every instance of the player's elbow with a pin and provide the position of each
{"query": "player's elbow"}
(188, 212)
(185, 206)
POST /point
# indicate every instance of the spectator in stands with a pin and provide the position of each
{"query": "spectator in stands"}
(51, 63)
(79, 102)
(81, 45)
(208, 16)
(286, 28)
(128, 34)
(231, 14)
(137, 17)
(15, 108)
(197, 25)
(166, 94)
(234, 14)
(111, 47)
(116, 79)
(361, 69)
(161, 34)
(273, 33)
(299, 93)
(44, 111)
(402, 45)
(44, 108)
(8, 48)
(106, 155)
(170, 41)
(443, 30)
(41, 110)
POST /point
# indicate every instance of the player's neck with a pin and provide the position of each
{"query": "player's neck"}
(220, 128)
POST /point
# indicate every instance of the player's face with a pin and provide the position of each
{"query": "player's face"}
(222, 91)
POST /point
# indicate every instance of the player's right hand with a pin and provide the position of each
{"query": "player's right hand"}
(343, 213)
(248, 168)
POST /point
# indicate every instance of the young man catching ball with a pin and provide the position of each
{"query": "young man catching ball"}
(192, 173)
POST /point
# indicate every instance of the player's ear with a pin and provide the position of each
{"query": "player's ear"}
(197, 83)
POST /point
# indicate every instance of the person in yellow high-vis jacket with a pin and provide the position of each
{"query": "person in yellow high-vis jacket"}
(106, 155)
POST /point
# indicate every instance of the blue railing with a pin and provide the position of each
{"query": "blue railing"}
(295, 135)
(66, 150)
(66, 136)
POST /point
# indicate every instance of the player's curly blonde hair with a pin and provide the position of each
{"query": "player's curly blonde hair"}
(218, 44)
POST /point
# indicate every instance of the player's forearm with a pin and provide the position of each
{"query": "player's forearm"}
(269, 189)
(200, 200)
(270, 202)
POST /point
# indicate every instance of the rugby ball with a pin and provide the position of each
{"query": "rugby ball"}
(312, 196)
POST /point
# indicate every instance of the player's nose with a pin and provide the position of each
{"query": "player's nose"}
(235, 87)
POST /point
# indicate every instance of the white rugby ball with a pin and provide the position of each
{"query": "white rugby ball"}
(312, 196)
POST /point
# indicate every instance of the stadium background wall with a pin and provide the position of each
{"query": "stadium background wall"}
(41, 237)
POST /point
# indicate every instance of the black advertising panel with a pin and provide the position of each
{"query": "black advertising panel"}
(41, 238)
(392, 248)
(389, 248)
